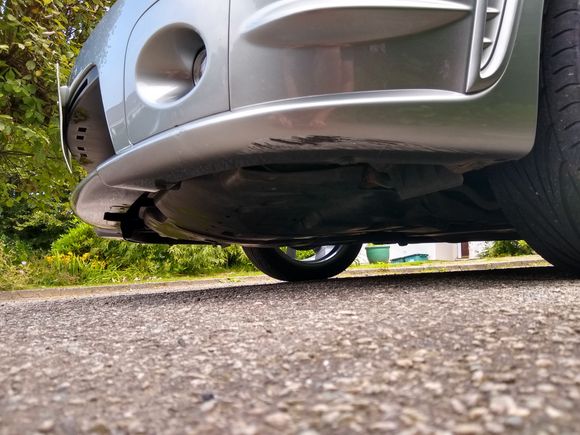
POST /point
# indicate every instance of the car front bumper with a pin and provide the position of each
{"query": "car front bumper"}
(461, 128)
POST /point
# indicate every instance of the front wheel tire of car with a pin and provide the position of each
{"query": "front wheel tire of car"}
(540, 194)
(290, 264)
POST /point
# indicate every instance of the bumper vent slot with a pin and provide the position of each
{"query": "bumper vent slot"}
(87, 134)
(493, 17)
(494, 36)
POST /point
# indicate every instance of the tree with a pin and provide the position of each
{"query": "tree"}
(35, 35)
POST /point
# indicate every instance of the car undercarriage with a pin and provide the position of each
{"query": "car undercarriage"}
(302, 205)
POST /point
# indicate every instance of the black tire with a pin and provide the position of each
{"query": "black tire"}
(276, 264)
(540, 194)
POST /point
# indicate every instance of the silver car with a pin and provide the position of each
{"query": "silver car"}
(303, 128)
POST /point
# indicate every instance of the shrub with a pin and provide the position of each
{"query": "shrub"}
(12, 268)
(77, 241)
(81, 256)
(507, 248)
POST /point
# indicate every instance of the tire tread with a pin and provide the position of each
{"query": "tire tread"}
(273, 264)
(540, 194)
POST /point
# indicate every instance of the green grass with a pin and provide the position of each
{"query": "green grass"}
(128, 278)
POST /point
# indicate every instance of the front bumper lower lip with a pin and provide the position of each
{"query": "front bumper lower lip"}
(202, 147)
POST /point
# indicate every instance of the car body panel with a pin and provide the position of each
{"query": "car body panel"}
(417, 94)
(106, 49)
(162, 46)
(317, 47)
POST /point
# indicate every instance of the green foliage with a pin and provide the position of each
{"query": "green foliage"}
(507, 248)
(82, 241)
(78, 241)
(80, 257)
(17, 250)
(12, 265)
(35, 35)
(302, 254)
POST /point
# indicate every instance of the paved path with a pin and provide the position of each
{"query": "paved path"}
(465, 353)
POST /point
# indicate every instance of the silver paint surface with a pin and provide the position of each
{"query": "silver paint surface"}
(402, 94)
(181, 20)
(493, 125)
(106, 49)
(319, 47)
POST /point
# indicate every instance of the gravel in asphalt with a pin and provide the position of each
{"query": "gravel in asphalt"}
(463, 353)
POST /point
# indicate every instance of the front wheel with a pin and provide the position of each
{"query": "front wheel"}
(540, 194)
(290, 264)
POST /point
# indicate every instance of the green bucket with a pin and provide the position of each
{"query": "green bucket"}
(378, 254)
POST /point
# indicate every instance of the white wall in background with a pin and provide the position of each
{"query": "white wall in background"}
(476, 248)
(362, 257)
(435, 251)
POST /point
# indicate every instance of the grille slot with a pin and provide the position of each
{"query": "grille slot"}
(87, 133)
(493, 16)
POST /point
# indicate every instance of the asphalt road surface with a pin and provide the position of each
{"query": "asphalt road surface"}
(465, 353)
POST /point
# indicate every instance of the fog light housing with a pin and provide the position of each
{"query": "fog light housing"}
(164, 72)
(199, 66)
